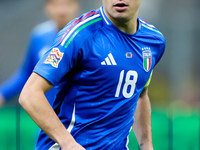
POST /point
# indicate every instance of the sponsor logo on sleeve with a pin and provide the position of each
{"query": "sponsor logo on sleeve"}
(54, 57)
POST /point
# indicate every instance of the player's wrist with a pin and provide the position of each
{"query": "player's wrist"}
(146, 146)
(70, 144)
(66, 141)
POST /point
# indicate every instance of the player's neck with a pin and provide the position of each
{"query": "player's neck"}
(60, 27)
(127, 26)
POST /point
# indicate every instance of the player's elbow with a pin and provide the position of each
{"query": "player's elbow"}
(24, 97)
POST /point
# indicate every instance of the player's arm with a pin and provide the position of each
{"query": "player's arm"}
(142, 124)
(13, 86)
(33, 100)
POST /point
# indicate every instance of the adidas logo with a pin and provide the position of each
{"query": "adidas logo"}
(109, 60)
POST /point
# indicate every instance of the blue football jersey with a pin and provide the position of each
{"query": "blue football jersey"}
(99, 72)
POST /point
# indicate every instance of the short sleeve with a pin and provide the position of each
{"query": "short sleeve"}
(59, 60)
(161, 49)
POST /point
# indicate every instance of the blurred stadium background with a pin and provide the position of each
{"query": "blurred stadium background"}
(174, 90)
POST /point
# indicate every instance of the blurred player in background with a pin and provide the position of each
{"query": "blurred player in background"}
(101, 65)
(60, 12)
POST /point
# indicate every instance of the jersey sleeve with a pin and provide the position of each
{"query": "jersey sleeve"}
(161, 49)
(13, 86)
(60, 59)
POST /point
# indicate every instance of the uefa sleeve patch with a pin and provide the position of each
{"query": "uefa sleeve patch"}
(54, 57)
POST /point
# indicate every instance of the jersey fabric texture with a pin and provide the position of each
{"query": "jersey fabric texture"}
(41, 40)
(99, 72)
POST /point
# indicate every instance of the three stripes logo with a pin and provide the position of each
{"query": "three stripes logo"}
(109, 60)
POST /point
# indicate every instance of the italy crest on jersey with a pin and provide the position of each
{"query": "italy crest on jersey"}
(54, 57)
(147, 57)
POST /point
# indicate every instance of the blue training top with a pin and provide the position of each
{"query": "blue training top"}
(41, 40)
(99, 72)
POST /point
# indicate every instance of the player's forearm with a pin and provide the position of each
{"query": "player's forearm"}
(43, 115)
(142, 124)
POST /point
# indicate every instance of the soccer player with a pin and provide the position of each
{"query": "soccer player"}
(100, 65)
(60, 12)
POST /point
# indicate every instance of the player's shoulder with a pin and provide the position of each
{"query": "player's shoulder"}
(81, 27)
(149, 29)
(89, 21)
(45, 28)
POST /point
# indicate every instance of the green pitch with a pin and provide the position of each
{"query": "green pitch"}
(18, 131)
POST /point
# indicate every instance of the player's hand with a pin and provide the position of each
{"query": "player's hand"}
(74, 146)
(2, 100)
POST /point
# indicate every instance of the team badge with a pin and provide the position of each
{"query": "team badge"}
(129, 55)
(54, 57)
(147, 57)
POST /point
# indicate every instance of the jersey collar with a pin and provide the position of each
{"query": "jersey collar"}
(108, 22)
(105, 18)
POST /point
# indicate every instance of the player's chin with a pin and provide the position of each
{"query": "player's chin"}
(122, 18)
(122, 15)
